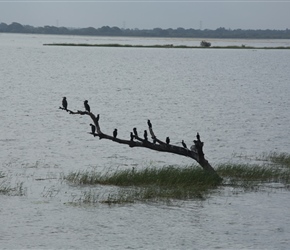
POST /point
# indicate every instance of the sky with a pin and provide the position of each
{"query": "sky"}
(149, 14)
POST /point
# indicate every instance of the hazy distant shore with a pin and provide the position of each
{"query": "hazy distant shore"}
(221, 32)
(163, 46)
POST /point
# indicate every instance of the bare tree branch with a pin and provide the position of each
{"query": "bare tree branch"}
(195, 152)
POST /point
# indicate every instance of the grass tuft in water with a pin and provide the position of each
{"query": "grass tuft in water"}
(278, 158)
(165, 176)
(170, 182)
(7, 189)
(254, 174)
(175, 182)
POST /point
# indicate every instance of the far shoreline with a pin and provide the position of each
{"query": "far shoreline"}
(115, 45)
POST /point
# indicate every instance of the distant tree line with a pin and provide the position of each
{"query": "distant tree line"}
(157, 32)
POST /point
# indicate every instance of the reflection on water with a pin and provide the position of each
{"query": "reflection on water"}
(238, 100)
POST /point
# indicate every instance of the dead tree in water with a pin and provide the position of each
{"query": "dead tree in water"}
(195, 152)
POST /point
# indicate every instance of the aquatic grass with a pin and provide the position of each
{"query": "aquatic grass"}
(182, 183)
(7, 189)
(278, 158)
(165, 176)
(135, 194)
(254, 173)
(165, 183)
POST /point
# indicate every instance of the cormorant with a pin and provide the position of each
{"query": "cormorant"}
(135, 132)
(198, 137)
(149, 124)
(132, 136)
(145, 135)
(64, 103)
(93, 129)
(183, 144)
(87, 106)
(115, 133)
(167, 140)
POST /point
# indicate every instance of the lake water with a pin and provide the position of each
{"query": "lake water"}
(238, 100)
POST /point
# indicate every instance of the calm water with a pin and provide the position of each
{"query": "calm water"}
(238, 100)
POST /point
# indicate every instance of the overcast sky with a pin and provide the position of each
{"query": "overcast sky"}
(148, 14)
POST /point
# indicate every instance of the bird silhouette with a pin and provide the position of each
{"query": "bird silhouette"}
(145, 135)
(87, 106)
(149, 124)
(98, 118)
(132, 136)
(64, 103)
(198, 136)
(167, 140)
(115, 133)
(93, 127)
(135, 132)
(183, 144)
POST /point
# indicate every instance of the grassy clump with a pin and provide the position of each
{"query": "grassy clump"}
(275, 169)
(175, 182)
(249, 176)
(7, 189)
(151, 183)
(278, 158)
(165, 176)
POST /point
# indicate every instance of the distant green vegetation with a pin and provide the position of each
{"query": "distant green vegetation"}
(156, 32)
(175, 182)
(162, 46)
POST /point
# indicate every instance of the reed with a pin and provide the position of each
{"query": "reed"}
(189, 182)
(169, 182)
(166, 176)
(278, 158)
(7, 189)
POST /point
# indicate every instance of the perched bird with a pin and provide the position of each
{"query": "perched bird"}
(149, 124)
(135, 132)
(87, 106)
(115, 133)
(98, 118)
(198, 137)
(145, 135)
(167, 140)
(64, 103)
(132, 136)
(183, 144)
(93, 129)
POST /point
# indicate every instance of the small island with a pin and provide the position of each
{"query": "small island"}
(163, 46)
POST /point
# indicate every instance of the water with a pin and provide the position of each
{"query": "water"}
(238, 100)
